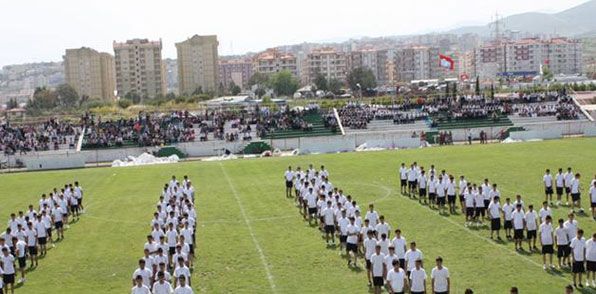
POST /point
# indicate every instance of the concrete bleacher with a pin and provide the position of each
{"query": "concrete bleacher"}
(388, 125)
(502, 121)
(318, 129)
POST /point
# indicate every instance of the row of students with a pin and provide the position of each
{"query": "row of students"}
(389, 262)
(168, 254)
(568, 183)
(483, 201)
(28, 233)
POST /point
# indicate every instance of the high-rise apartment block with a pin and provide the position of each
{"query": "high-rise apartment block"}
(198, 65)
(90, 73)
(139, 68)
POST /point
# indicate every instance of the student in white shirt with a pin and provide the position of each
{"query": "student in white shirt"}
(183, 288)
(593, 199)
(328, 214)
(403, 178)
(508, 209)
(547, 179)
(372, 216)
(544, 211)
(162, 286)
(571, 225)
(422, 185)
(139, 287)
(546, 241)
(8, 269)
(559, 185)
(451, 194)
(568, 178)
(397, 280)
(181, 271)
(440, 282)
(563, 249)
(370, 243)
(463, 185)
(411, 256)
(432, 191)
(379, 270)
(494, 212)
(399, 242)
(578, 255)
(289, 177)
(518, 219)
(531, 227)
(591, 259)
(412, 179)
(383, 227)
(352, 241)
(145, 273)
(417, 278)
(576, 193)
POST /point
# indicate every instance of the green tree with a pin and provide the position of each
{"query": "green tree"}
(234, 89)
(477, 90)
(335, 86)
(321, 82)
(170, 96)
(284, 83)
(260, 91)
(547, 74)
(67, 95)
(43, 98)
(259, 79)
(363, 77)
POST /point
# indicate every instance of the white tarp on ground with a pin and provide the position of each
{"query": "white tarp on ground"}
(364, 147)
(222, 157)
(145, 159)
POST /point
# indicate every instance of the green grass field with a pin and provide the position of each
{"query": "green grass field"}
(251, 238)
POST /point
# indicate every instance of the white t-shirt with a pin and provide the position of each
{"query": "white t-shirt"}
(377, 261)
(518, 219)
(7, 264)
(560, 180)
(508, 210)
(383, 228)
(575, 186)
(396, 279)
(353, 231)
(571, 227)
(531, 217)
(543, 213)
(562, 236)
(289, 175)
(400, 245)
(403, 173)
(593, 194)
(182, 271)
(329, 216)
(548, 180)
(411, 257)
(372, 217)
(140, 290)
(590, 250)
(183, 290)
(546, 234)
(578, 246)
(145, 273)
(440, 276)
(165, 288)
(494, 209)
(417, 278)
(369, 246)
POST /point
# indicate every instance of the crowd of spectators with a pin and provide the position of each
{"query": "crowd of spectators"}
(48, 135)
(285, 119)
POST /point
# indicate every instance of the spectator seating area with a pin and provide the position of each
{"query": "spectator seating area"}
(52, 134)
(293, 124)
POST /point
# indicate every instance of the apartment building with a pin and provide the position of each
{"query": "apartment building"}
(380, 61)
(238, 71)
(417, 63)
(272, 61)
(139, 68)
(328, 61)
(198, 65)
(90, 73)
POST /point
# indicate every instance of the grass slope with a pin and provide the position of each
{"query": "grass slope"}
(251, 239)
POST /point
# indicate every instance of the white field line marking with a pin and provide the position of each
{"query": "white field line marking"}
(488, 240)
(250, 230)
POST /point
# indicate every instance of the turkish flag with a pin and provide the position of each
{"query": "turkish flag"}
(446, 62)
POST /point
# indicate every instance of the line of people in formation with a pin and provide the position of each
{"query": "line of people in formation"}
(389, 262)
(168, 254)
(482, 202)
(28, 233)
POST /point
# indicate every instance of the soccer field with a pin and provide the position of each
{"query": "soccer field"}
(251, 239)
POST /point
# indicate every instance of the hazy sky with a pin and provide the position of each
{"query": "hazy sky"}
(40, 30)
